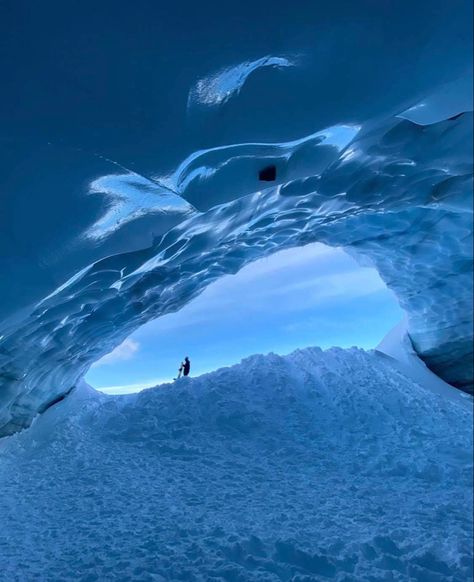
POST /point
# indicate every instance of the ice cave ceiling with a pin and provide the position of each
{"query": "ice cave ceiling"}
(133, 144)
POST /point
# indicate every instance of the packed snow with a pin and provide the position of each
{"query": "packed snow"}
(315, 466)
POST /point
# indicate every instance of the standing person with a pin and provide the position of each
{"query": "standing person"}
(185, 367)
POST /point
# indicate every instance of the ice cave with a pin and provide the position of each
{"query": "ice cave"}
(147, 151)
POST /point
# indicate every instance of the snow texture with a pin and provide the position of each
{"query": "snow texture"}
(314, 466)
(130, 168)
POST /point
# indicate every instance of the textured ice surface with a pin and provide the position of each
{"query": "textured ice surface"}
(220, 87)
(315, 466)
(124, 194)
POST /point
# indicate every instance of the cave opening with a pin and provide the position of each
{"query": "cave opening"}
(314, 295)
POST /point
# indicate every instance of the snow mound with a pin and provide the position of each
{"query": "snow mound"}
(314, 466)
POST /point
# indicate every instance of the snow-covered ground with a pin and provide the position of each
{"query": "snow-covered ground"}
(314, 466)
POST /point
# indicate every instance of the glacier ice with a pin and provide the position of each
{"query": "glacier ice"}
(122, 198)
(220, 87)
(313, 466)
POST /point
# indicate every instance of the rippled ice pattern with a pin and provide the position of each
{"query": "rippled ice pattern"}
(130, 170)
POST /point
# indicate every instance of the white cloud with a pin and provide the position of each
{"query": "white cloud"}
(359, 282)
(131, 388)
(296, 279)
(293, 257)
(125, 351)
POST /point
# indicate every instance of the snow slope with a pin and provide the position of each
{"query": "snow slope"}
(314, 466)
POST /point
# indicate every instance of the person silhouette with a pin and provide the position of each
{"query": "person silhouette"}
(185, 367)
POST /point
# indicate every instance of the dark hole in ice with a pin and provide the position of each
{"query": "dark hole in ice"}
(268, 174)
(55, 401)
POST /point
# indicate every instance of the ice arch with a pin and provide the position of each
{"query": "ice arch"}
(120, 201)
(314, 294)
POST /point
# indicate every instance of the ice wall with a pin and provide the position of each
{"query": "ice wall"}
(131, 147)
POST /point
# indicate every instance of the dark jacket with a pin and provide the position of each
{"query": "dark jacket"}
(186, 365)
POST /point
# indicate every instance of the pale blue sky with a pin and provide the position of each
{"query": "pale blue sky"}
(300, 297)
